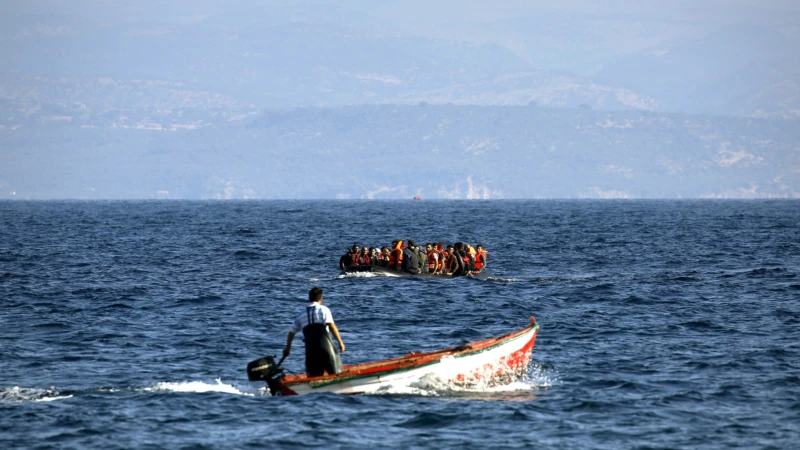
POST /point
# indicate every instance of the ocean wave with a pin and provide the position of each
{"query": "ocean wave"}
(501, 280)
(246, 255)
(16, 394)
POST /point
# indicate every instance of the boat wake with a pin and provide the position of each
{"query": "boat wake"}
(429, 386)
(202, 387)
(362, 275)
(17, 394)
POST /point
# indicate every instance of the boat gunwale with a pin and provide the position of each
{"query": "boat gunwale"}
(372, 268)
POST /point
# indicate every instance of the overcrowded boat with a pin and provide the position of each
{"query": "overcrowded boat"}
(494, 361)
(406, 258)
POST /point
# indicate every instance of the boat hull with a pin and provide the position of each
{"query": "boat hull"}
(498, 360)
(385, 271)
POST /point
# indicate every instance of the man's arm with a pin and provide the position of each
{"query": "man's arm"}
(335, 331)
(288, 348)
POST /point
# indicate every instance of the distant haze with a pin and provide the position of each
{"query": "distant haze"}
(364, 99)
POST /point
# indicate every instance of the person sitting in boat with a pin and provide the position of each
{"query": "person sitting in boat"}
(468, 257)
(363, 258)
(432, 257)
(396, 256)
(350, 258)
(480, 258)
(383, 257)
(447, 252)
(373, 256)
(455, 260)
(442, 257)
(422, 257)
(316, 321)
(410, 262)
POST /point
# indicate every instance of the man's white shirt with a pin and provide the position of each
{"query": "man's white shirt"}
(314, 311)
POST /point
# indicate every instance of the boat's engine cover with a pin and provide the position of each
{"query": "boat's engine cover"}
(262, 369)
(265, 369)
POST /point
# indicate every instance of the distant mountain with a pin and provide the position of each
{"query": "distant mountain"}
(716, 58)
(283, 65)
(737, 70)
(392, 151)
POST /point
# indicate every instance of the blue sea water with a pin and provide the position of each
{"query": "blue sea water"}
(664, 324)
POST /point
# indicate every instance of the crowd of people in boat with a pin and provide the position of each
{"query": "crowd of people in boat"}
(434, 258)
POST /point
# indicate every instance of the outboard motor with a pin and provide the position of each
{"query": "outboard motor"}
(265, 369)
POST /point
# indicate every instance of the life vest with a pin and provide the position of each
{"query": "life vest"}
(432, 260)
(364, 259)
(442, 257)
(479, 260)
(396, 257)
(468, 262)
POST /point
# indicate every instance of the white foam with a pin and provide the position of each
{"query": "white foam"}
(16, 394)
(361, 275)
(537, 377)
(503, 280)
(197, 386)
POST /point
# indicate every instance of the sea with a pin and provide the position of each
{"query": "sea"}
(664, 324)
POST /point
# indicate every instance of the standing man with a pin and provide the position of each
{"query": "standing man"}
(316, 321)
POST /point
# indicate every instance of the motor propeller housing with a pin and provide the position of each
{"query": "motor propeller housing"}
(265, 369)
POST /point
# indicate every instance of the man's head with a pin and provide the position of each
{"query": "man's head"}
(315, 295)
(354, 249)
(411, 243)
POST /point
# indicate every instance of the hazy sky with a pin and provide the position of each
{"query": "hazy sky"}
(542, 32)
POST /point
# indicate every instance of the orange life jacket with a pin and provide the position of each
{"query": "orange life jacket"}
(478, 260)
(396, 256)
(432, 262)
(364, 259)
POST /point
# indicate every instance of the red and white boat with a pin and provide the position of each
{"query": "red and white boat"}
(499, 360)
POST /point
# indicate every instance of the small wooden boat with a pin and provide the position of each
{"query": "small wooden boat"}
(498, 360)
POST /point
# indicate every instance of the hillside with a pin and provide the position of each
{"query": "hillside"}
(396, 151)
